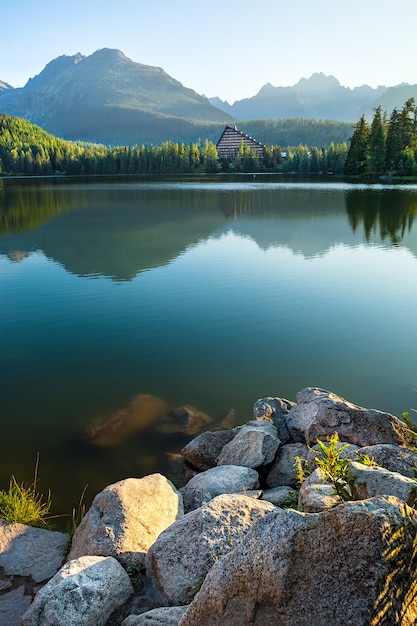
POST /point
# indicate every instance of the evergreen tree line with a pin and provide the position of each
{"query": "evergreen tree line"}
(27, 149)
(294, 160)
(387, 145)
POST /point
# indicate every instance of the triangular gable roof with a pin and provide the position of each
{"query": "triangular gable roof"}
(230, 141)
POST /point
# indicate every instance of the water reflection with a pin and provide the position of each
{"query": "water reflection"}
(119, 230)
(109, 231)
(387, 213)
(26, 206)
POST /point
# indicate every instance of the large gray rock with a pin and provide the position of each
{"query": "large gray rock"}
(126, 518)
(275, 411)
(354, 564)
(393, 458)
(13, 605)
(225, 479)
(83, 593)
(27, 551)
(283, 472)
(164, 616)
(255, 444)
(179, 560)
(194, 497)
(281, 496)
(317, 494)
(5, 584)
(377, 481)
(319, 413)
(203, 450)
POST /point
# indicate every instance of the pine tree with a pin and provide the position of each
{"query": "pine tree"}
(376, 145)
(395, 139)
(357, 153)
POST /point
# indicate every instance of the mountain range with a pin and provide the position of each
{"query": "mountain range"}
(108, 98)
(319, 97)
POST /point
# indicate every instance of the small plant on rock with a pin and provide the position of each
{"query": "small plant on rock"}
(77, 515)
(407, 418)
(301, 470)
(135, 573)
(291, 501)
(334, 467)
(367, 460)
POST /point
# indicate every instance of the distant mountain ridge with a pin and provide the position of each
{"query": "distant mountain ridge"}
(317, 97)
(106, 97)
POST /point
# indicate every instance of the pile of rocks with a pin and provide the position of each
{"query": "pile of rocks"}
(226, 548)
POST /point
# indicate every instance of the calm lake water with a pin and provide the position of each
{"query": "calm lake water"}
(208, 292)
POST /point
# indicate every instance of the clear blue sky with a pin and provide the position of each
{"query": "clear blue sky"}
(226, 49)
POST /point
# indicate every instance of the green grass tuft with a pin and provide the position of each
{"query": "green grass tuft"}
(23, 504)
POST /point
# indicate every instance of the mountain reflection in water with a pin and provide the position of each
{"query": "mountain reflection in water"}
(118, 231)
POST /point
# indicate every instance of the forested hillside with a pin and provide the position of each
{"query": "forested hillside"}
(292, 132)
(27, 149)
(386, 146)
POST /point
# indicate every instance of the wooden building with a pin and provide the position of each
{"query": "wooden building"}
(231, 140)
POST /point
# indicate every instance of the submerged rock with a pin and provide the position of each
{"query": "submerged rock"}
(185, 419)
(140, 413)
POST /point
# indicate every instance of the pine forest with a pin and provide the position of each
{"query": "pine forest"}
(385, 146)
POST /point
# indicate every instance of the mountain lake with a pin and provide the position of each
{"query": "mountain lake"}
(124, 299)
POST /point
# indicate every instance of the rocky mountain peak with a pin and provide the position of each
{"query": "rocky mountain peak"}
(53, 71)
(4, 86)
(318, 82)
